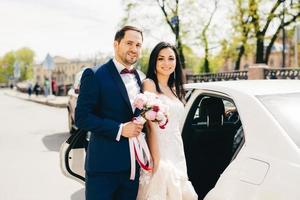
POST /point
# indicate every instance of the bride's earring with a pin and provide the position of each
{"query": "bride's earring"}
(174, 75)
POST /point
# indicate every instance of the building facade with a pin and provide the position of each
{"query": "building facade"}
(63, 73)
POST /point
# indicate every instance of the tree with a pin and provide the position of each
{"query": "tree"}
(129, 7)
(191, 22)
(204, 37)
(192, 60)
(143, 62)
(226, 54)
(170, 14)
(2, 72)
(241, 23)
(25, 57)
(292, 14)
(260, 24)
(7, 63)
(202, 24)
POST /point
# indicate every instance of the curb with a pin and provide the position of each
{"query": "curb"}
(49, 103)
(46, 102)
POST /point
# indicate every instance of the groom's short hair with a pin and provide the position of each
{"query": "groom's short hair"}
(121, 33)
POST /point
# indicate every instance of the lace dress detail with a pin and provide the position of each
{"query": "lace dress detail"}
(170, 181)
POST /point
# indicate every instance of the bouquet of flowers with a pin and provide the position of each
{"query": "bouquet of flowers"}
(152, 109)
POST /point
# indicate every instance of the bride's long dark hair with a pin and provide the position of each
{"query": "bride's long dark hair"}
(175, 79)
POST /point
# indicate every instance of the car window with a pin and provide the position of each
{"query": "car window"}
(212, 135)
(286, 109)
(230, 111)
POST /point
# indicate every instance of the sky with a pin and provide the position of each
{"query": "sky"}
(69, 28)
(73, 28)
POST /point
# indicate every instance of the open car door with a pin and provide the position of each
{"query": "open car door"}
(72, 156)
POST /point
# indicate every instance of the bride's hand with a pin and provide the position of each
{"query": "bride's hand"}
(155, 166)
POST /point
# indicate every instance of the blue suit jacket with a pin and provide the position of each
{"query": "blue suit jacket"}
(102, 105)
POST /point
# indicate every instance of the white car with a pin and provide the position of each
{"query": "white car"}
(241, 140)
(73, 95)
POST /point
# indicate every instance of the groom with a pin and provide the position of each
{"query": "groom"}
(105, 108)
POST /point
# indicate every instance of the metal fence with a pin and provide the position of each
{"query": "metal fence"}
(282, 73)
(291, 73)
(222, 76)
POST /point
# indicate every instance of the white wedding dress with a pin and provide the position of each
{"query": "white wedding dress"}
(170, 181)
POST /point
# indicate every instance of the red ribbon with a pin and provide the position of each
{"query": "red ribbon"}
(144, 166)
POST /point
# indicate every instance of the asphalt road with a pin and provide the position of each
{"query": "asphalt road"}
(30, 138)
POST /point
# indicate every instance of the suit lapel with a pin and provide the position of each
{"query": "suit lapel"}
(138, 79)
(137, 111)
(117, 78)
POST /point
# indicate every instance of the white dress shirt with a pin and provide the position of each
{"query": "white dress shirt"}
(131, 85)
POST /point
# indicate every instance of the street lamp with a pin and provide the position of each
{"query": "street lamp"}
(283, 33)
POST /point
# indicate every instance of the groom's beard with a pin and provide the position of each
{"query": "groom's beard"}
(130, 58)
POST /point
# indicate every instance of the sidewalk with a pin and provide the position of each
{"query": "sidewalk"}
(56, 101)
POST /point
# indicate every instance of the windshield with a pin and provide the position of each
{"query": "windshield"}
(286, 110)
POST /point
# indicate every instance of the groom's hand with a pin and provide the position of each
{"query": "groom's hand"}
(131, 129)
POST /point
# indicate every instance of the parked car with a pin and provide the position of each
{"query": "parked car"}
(73, 95)
(241, 140)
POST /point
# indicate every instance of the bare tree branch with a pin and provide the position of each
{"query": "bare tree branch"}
(275, 36)
(271, 16)
(204, 37)
(163, 8)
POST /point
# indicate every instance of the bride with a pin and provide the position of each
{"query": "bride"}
(168, 179)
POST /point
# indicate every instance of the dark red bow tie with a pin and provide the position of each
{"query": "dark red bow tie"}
(127, 71)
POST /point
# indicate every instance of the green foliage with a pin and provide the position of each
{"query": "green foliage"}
(24, 57)
(227, 53)
(144, 60)
(2, 73)
(192, 61)
(5, 74)
(215, 63)
(254, 24)
(228, 49)
(7, 63)
(159, 19)
(9, 59)
(258, 22)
